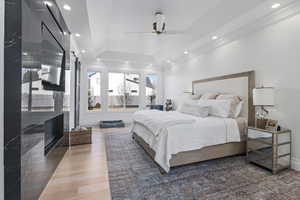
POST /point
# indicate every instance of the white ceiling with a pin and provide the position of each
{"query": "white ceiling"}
(104, 25)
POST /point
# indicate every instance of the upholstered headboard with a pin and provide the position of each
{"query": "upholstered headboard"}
(240, 84)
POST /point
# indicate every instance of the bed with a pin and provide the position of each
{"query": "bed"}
(199, 139)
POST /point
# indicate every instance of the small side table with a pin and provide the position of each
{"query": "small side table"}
(82, 135)
(269, 149)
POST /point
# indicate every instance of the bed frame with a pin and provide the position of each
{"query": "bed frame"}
(216, 151)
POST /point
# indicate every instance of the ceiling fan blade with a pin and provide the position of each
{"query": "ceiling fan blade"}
(139, 33)
(174, 32)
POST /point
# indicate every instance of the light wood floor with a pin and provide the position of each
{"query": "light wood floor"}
(82, 174)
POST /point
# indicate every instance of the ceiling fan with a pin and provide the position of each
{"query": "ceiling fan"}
(159, 26)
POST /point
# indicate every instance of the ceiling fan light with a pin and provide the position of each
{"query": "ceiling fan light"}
(276, 5)
(48, 3)
(67, 7)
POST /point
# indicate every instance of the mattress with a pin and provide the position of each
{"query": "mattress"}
(188, 137)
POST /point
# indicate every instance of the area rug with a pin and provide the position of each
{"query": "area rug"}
(134, 176)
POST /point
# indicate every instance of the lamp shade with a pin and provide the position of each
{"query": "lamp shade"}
(264, 96)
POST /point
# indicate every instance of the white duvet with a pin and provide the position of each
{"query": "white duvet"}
(157, 121)
(167, 137)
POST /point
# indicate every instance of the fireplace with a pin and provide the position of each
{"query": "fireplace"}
(54, 131)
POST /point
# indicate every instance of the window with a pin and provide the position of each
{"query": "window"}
(94, 90)
(123, 91)
(151, 89)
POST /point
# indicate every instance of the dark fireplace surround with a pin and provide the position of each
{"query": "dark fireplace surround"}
(34, 141)
(54, 131)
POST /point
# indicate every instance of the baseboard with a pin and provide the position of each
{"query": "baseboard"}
(296, 164)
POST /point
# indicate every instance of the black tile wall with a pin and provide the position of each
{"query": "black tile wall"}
(27, 168)
(12, 96)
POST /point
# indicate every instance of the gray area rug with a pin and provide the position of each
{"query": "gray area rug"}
(134, 176)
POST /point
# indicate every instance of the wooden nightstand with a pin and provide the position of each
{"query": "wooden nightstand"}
(269, 149)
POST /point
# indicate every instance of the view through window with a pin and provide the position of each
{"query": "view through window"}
(123, 90)
(94, 90)
(151, 89)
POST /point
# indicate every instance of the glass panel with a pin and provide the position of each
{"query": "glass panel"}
(26, 84)
(116, 91)
(42, 100)
(151, 89)
(94, 91)
(67, 93)
(34, 97)
(132, 93)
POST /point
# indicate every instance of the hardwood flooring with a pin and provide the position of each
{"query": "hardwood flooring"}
(82, 173)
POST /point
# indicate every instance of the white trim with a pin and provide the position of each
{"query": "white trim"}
(296, 164)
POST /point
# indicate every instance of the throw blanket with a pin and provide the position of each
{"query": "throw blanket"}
(157, 121)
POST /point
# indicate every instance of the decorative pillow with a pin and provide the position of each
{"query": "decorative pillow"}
(209, 95)
(219, 108)
(235, 100)
(196, 110)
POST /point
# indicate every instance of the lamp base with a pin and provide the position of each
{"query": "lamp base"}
(261, 123)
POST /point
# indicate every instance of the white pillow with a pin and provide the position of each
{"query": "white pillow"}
(196, 110)
(236, 103)
(238, 109)
(219, 108)
(209, 95)
(234, 98)
(190, 102)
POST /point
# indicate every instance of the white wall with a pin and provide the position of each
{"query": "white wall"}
(274, 53)
(93, 117)
(1, 98)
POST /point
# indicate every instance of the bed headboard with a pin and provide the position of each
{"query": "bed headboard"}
(240, 84)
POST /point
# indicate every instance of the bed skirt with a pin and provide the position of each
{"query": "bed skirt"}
(206, 153)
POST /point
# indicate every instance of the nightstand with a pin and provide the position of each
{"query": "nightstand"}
(269, 149)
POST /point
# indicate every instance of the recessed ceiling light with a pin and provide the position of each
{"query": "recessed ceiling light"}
(67, 7)
(186, 52)
(214, 37)
(77, 35)
(48, 3)
(168, 61)
(276, 5)
(83, 51)
(98, 59)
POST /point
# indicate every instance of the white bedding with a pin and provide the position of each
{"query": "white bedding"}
(175, 138)
(157, 121)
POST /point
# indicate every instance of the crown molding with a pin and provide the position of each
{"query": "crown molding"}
(253, 21)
